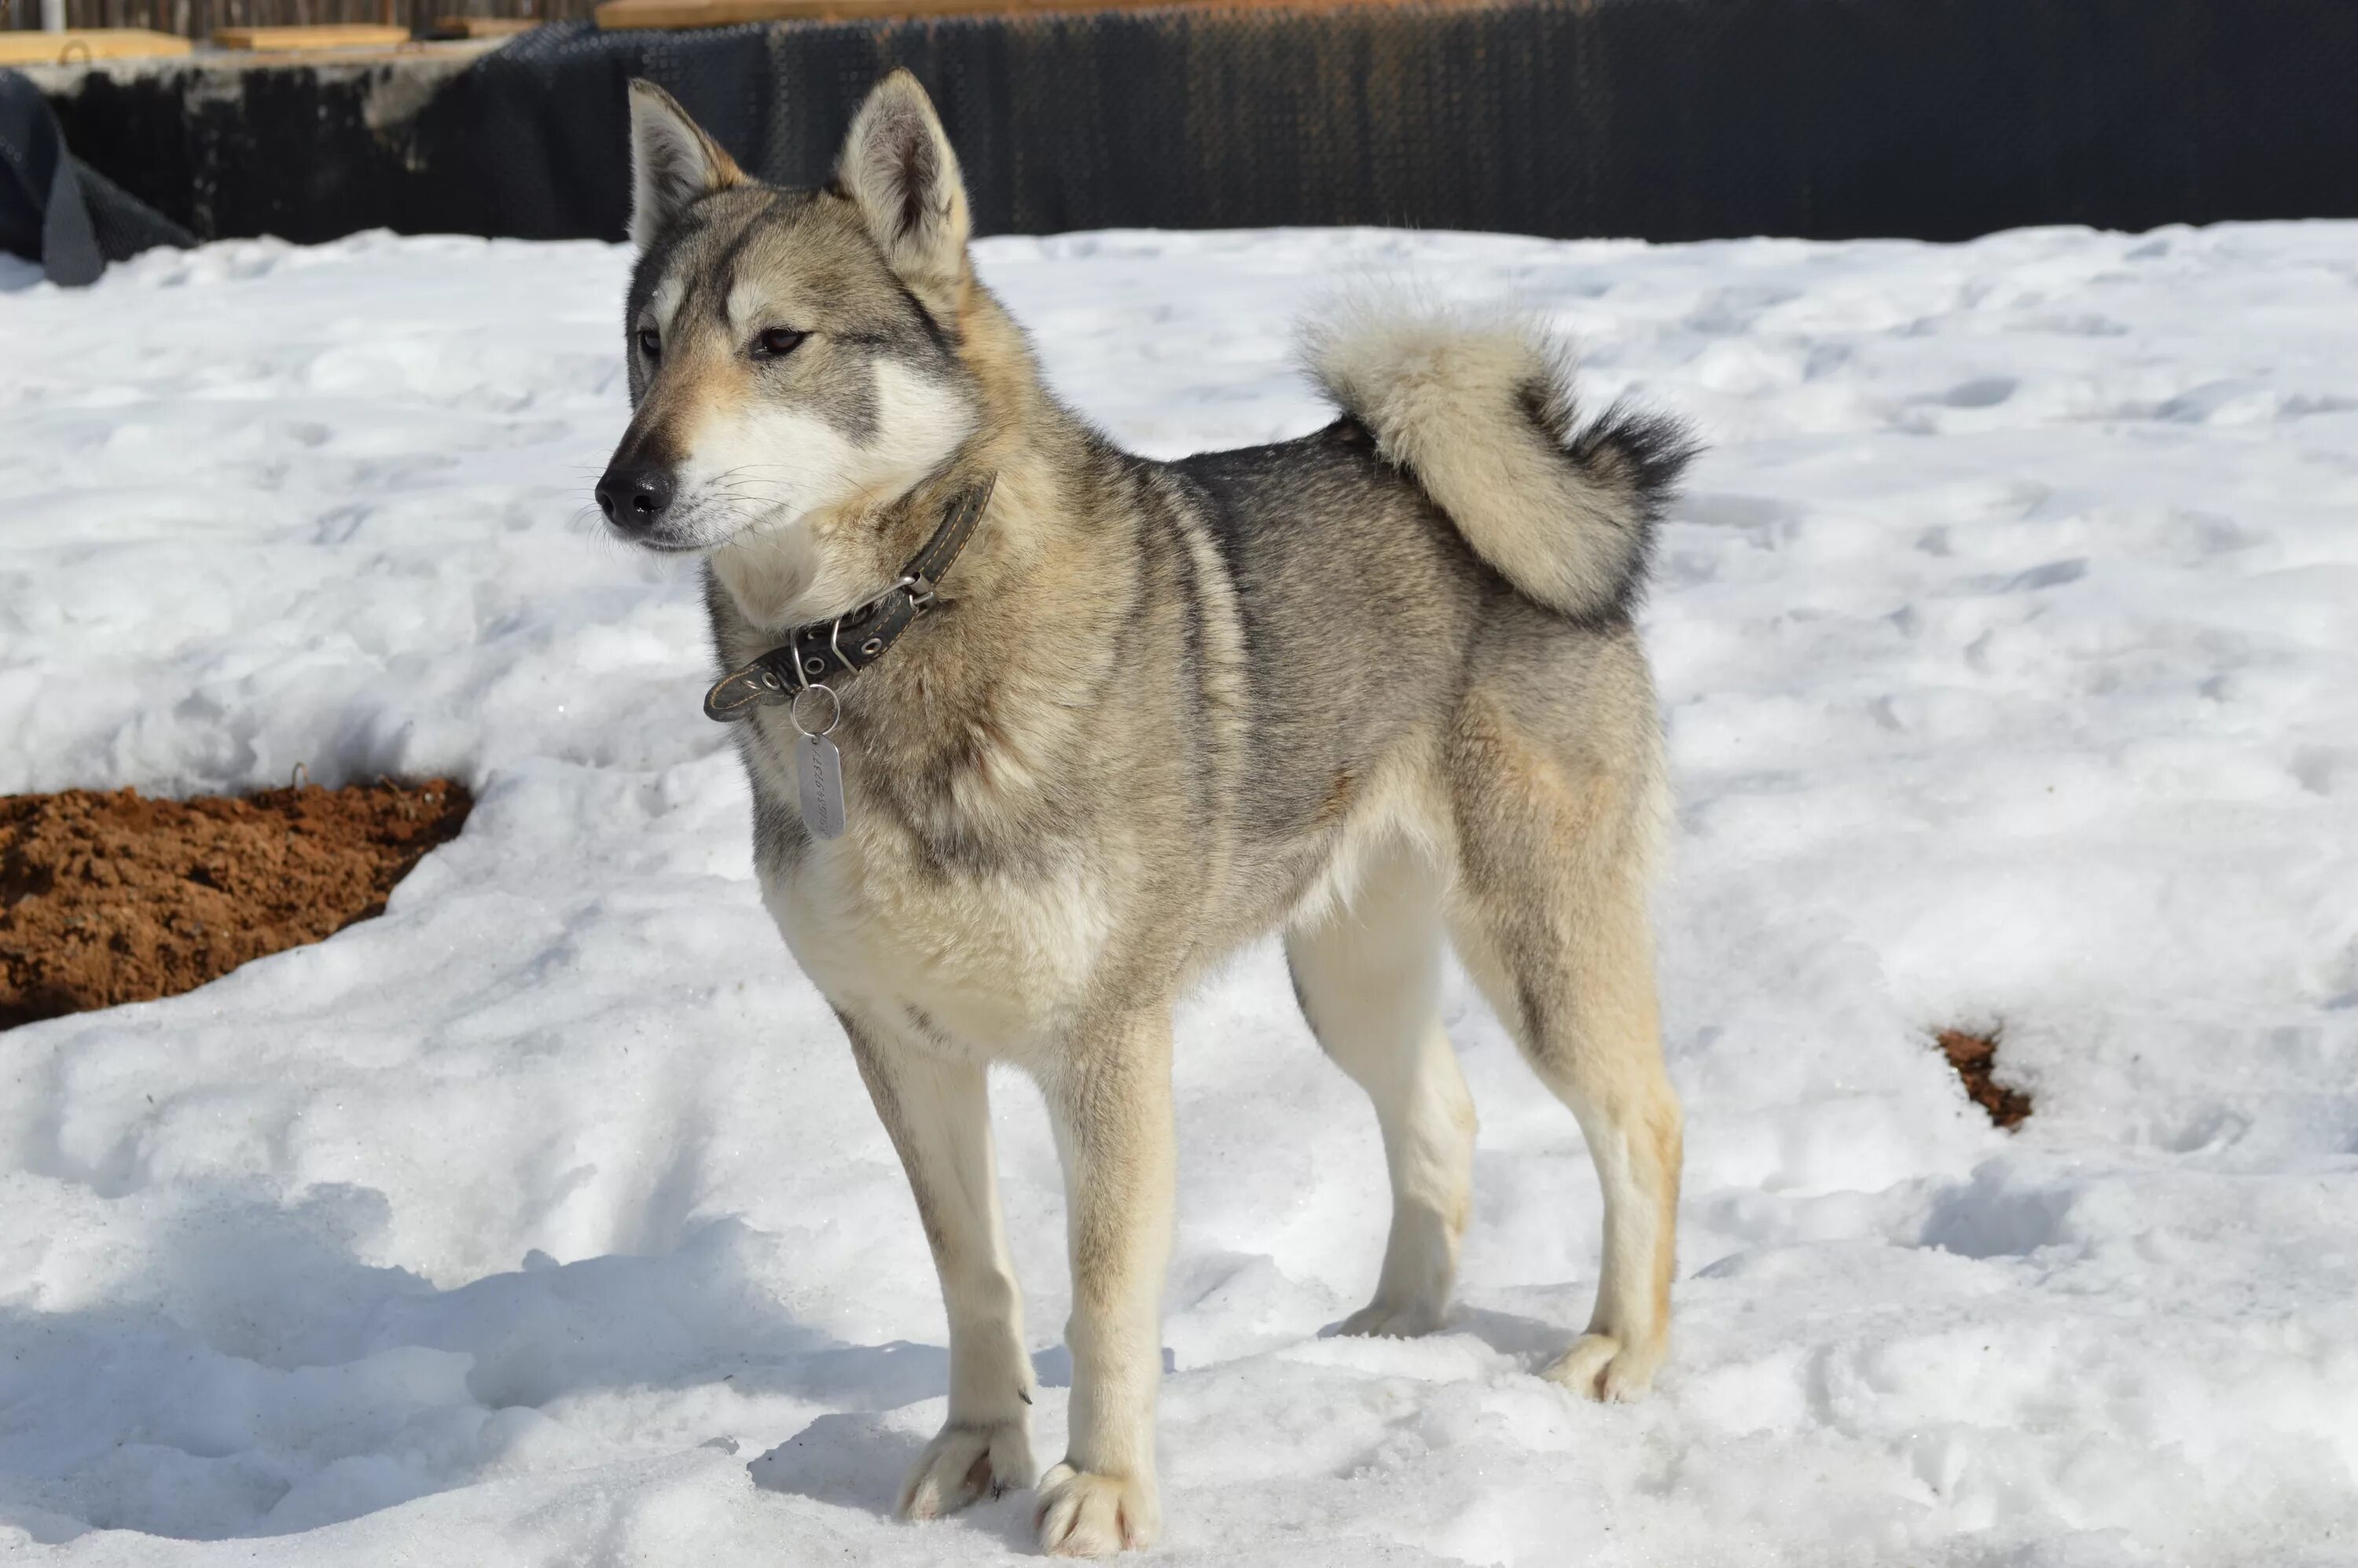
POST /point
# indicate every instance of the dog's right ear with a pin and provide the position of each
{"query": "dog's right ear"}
(673, 162)
(899, 170)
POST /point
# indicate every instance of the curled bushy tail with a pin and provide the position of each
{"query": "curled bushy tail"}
(1482, 417)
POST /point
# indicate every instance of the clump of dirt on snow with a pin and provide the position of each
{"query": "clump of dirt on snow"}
(108, 898)
(1975, 1058)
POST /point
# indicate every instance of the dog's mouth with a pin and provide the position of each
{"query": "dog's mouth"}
(656, 544)
(701, 525)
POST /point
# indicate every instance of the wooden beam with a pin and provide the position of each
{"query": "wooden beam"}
(482, 26)
(336, 35)
(634, 14)
(79, 44)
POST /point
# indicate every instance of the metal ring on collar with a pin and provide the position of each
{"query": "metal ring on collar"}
(835, 714)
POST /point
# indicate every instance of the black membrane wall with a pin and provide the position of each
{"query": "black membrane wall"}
(1659, 119)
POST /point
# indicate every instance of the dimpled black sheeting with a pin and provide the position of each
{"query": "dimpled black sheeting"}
(1659, 119)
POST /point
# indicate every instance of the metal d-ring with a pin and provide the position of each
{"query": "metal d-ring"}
(795, 710)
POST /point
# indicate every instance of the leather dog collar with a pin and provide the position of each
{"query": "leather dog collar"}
(821, 651)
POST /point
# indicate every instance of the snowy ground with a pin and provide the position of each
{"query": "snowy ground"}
(2010, 644)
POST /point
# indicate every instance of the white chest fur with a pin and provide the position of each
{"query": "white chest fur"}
(987, 964)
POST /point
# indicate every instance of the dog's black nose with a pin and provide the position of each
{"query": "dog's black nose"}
(633, 498)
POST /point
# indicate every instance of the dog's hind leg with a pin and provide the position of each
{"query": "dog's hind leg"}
(1368, 976)
(1549, 913)
(938, 1114)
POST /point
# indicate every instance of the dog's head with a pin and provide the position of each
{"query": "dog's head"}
(792, 354)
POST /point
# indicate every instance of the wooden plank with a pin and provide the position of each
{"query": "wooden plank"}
(78, 44)
(481, 27)
(337, 35)
(636, 13)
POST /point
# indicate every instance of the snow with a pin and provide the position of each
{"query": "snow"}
(2008, 648)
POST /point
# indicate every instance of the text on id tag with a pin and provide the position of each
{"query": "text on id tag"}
(818, 768)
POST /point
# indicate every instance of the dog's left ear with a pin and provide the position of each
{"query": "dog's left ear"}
(899, 170)
(673, 162)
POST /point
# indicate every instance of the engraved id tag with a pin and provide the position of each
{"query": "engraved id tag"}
(818, 768)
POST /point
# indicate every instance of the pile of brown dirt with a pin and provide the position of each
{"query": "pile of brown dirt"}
(112, 898)
(1975, 1058)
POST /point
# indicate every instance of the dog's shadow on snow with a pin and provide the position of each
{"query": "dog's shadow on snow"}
(1535, 1342)
(853, 1461)
(856, 1459)
(250, 1304)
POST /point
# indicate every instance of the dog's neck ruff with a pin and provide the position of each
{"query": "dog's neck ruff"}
(820, 652)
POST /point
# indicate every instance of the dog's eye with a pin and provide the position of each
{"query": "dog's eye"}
(777, 343)
(650, 343)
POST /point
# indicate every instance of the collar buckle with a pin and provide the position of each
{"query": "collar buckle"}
(737, 694)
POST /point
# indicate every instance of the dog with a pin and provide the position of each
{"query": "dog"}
(1039, 733)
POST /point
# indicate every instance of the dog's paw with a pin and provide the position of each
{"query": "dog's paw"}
(1386, 1320)
(963, 1464)
(1087, 1515)
(1601, 1366)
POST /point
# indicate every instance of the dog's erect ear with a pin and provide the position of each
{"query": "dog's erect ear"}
(898, 168)
(673, 162)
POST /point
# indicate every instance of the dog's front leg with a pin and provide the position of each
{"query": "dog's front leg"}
(938, 1113)
(1111, 1102)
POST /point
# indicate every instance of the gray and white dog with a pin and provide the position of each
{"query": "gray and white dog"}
(1375, 688)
